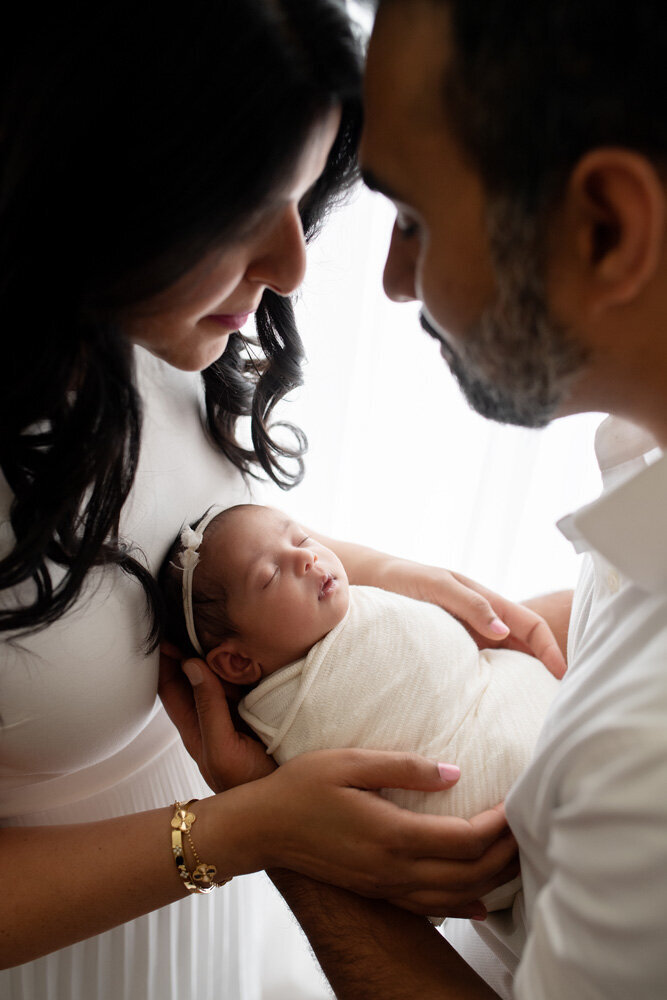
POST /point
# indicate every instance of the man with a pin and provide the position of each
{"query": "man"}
(524, 146)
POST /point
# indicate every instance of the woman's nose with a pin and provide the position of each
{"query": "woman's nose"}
(399, 270)
(280, 259)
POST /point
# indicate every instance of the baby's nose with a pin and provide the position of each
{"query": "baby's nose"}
(308, 559)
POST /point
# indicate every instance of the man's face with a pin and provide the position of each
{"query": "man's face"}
(475, 264)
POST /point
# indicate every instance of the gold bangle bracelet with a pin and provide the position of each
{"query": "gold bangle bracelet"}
(202, 878)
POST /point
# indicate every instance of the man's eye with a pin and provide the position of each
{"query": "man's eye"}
(407, 227)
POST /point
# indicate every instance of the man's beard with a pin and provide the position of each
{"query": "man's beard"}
(516, 364)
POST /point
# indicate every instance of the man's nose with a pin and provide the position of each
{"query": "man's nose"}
(280, 260)
(399, 270)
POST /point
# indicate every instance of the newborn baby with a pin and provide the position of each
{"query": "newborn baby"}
(336, 665)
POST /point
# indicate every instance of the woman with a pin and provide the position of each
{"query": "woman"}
(157, 182)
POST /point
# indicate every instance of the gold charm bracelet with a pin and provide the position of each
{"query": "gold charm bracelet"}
(202, 879)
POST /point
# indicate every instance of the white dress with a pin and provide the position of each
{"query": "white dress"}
(82, 736)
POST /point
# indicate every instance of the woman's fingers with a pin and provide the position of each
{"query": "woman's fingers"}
(528, 631)
(444, 902)
(547, 652)
(176, 695)
(374, 770)
(378, 769)
(228, 757)
(195, 701)
(468, 603)
(350, 835)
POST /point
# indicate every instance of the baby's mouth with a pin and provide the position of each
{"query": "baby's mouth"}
(328, 585)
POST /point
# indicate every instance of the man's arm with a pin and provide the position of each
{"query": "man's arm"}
(371, 950)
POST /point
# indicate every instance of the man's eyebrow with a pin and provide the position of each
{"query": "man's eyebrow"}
(373, 182)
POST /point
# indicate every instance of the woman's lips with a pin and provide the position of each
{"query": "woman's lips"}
(231, 321)
(328, 587)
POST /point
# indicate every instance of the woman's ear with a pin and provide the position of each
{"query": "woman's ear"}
(619, 203)
(229, 663)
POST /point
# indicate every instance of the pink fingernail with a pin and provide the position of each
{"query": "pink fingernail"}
(449, 772)
(192, 671)
(500, 628)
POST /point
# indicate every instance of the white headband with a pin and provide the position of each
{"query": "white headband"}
(191, 539)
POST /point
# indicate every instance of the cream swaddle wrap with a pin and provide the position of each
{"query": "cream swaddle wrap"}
(401, 674)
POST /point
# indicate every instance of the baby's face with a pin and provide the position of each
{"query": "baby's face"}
(285, 590)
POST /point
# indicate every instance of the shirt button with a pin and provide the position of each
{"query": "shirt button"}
(613, 581)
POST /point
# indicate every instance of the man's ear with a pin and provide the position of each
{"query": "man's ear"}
(229, 663)
(619, 203)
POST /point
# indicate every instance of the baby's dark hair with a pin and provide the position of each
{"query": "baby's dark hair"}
(209, 597)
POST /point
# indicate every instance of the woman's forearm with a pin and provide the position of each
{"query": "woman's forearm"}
(371, 950)
(363, 565)
(62, 884)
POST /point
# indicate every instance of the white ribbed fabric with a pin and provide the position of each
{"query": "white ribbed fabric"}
(400, 674)
(203, 947)
(82, 737)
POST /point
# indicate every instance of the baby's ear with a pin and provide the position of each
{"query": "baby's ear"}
(232, 666)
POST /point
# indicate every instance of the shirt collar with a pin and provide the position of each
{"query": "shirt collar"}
(628, 523)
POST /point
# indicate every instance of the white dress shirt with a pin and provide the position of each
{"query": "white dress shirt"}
(590, 812)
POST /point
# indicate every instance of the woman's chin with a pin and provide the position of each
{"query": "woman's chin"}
(191, 358)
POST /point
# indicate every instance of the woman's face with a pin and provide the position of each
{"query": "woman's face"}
(189, 324)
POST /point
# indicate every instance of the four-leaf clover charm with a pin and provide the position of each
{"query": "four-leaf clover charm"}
(204, 874)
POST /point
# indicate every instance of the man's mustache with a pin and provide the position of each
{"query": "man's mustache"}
(445, 349)
(425, 325)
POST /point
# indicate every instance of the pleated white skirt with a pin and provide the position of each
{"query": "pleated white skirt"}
(206, 947)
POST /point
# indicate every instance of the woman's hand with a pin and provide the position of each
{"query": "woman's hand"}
(197, 704)
(320, 813)
(320, 816)
(492, 620)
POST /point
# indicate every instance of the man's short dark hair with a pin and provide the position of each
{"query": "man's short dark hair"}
(535, 84)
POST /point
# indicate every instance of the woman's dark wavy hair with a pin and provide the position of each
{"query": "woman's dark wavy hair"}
(134, 140)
